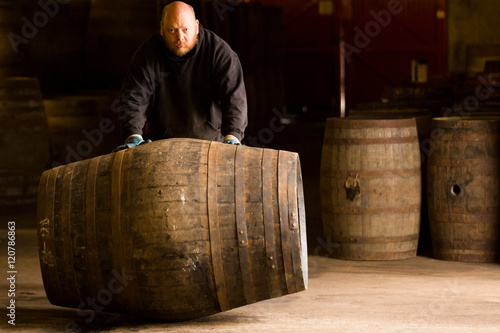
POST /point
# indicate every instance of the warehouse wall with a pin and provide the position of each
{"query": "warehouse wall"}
(470, 22)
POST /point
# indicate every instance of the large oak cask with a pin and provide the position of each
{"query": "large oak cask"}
(195, 227)
(423, 118)
(371, 188)
(464, 189)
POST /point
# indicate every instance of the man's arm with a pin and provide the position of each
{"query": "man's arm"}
(136, 91)
(233, 98)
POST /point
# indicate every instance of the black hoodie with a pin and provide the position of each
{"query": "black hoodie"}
(201, 95)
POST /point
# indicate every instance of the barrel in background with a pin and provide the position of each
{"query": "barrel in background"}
(423, 118)
(82, 126)
(371, 188)
(24, 140)
(464, 189)
(200, 227)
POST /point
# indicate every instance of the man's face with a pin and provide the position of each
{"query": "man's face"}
(180, 32)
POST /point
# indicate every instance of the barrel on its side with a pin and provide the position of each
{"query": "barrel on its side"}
(464, 189)
(175, 229)
(371, 188)
(24, 140)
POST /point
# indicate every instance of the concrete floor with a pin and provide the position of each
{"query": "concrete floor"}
(414, 295)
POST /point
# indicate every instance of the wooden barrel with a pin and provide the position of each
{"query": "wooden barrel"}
(371, 188)
(81, 126)
(11, 54)
(464, 189)
(196, 227)
(423, 118)
(24, 140)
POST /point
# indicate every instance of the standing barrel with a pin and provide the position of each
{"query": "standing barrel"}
(195, 227)
(464, 189)
(423, 119)
(371, 188)
(24, 140)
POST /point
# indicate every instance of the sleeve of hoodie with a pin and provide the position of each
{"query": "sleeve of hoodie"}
(137, 88)
(232, 95)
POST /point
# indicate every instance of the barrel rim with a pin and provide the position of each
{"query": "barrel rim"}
(482, 122)
(18, 78)
(302, 224)
(391, 111)
(347, 122)
(14, 83)
(466, 119)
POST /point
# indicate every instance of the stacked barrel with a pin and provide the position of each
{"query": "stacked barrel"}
(54, 108)
(24, 140)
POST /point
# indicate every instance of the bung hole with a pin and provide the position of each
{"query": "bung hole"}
(455, 190)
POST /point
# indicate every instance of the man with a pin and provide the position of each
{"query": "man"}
(183, 82)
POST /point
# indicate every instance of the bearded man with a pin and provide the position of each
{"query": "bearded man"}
(184, 81)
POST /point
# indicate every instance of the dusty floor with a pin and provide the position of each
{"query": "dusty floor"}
(420, 294)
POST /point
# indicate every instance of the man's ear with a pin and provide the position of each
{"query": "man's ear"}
(197, 27)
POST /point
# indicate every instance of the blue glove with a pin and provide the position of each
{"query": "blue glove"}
(232, 140)
(131, 142)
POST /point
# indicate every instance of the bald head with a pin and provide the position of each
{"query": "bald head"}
(179, 28)
(177, 8)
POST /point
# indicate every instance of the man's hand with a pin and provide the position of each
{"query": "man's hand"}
(232, 140)
(131, 142)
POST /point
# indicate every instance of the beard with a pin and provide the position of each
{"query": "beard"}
(180, 52)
